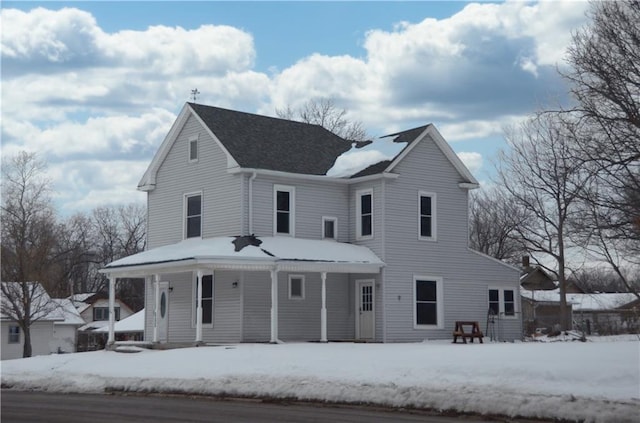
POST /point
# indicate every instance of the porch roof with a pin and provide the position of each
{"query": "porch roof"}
(250, 253)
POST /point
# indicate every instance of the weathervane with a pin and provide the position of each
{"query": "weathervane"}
(194, 94)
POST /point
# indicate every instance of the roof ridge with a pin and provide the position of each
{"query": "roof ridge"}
(261, 116)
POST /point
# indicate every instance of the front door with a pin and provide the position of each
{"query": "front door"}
(163, 311)
(365, 318)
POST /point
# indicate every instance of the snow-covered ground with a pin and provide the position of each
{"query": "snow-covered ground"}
(592, 381)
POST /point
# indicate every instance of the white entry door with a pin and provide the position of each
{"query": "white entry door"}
(163, 311)
(365, 317)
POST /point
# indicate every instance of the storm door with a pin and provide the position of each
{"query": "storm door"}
(365, 314)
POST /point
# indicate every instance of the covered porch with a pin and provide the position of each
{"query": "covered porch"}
(219, 266)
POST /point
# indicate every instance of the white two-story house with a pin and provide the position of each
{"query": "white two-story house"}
(263, 229)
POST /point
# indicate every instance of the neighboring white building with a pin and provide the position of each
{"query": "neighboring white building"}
(53, 330)
(129, 329)
(65, 332)
(94, 310)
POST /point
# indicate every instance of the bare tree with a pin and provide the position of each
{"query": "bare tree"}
(605, 77)
(325, 113)
(493, 220)
(544, 178)
(28, 246)
(598, 232)
(120, 232)
(77, 264)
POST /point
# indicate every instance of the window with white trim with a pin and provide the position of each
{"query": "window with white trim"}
(102, 313)
(429, 304)
(193, 215)
(193, 149)
(502, 302)
(329, 227)
(296, 287)
(426, 215)
(14, 334)
(284, 210)
(207, 300)
(364, 213)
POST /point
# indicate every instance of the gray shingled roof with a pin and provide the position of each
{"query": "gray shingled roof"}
(407, 136)
(262, 142)
(373, 169)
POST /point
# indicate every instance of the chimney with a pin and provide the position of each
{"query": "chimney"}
(525, 262)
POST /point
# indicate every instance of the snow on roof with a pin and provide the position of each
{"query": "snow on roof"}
(361, 157)
(68, 312)
(133, 323)
(270, 250)
(97, 324)
(82, 297)
(583, 302)
(42, 307)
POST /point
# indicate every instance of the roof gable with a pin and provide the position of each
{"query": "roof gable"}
(258, 142)
(416, 135)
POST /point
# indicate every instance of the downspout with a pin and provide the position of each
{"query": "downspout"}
(384, 259)
(253, 176)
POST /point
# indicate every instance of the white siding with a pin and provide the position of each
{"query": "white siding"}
(466, 275)
(64, 338)
(313, 200)
(243, 313)
(227, 320)
(177, 176)
(298, 319)
(41, 340)
(87, 314)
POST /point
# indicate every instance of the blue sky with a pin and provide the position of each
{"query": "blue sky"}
(94, 86)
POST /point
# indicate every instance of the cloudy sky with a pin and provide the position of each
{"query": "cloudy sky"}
(93, 87)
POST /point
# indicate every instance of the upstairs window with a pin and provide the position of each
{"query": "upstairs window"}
(284, 210)
(193, 223)
(426, 216)
(329, 228)
(193, 148)
(102, 313)
(364, 211)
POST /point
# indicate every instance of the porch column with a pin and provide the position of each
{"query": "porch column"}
(323, 310)
(112, 311)
(156, 308)
(274, 306)
(199, 307)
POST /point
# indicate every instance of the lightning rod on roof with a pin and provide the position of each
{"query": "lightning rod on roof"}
(194, 94)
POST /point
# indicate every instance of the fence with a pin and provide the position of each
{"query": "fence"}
(546, 320)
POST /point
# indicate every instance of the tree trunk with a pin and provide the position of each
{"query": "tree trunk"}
(565, 319)
(26, 348)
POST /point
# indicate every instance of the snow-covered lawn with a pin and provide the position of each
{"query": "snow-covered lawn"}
(592, 381)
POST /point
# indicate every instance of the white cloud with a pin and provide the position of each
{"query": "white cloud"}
(79, 94)
(86, 184)
(115, 135)
(472, 160)
(46, 36)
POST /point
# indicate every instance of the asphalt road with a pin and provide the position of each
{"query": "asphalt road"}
(72, 408)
